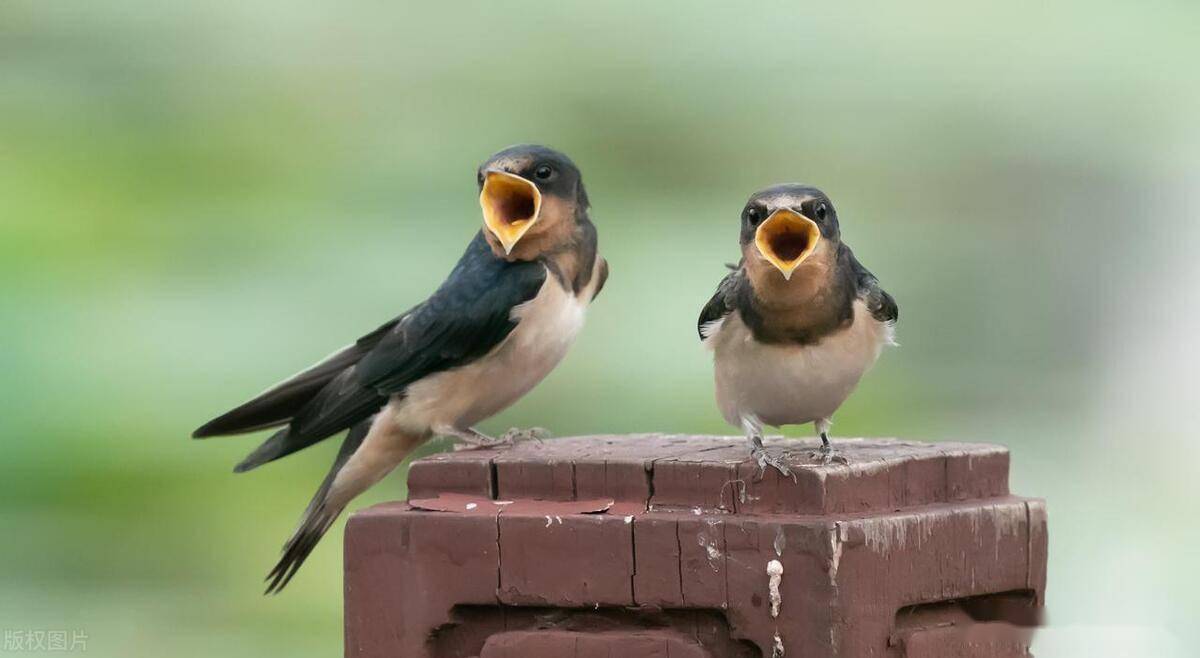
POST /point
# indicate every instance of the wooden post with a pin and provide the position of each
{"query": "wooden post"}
(656, 545)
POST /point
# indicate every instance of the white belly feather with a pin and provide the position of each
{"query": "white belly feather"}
(788, 384)
(459, 398)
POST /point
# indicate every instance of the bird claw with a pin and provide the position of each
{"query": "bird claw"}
(765, 459)
(515, 434)
(826, 455)
(479, 441)
(464, 446)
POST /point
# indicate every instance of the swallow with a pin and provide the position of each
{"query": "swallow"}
(502, 320)
(797, 322)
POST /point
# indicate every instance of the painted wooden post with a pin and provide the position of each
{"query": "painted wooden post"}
(657, 545)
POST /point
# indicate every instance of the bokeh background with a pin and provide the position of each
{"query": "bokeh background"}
(199, 198)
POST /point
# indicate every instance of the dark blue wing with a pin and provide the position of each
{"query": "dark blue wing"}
(470, 314)
(881, 305)
(722, 302)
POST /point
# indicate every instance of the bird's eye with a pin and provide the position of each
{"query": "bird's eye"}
(821, 210)
(479, 177)
(753, 215)
(543, 172)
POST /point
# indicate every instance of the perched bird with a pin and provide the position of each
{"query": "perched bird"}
(796, 323)
(501, 321)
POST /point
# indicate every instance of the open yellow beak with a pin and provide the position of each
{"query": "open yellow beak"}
(786, 239)
(510, 205)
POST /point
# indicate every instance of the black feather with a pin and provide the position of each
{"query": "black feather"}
(342, 403)
(278, 404)
(273, 448)
(722, 302)
(318, 517)
(881, 305)
(602, 280)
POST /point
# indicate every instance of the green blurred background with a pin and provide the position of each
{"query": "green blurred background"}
(197, 199)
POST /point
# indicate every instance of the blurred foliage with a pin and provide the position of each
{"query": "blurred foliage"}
(198, 198)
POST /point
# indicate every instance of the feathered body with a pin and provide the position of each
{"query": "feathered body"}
(789, 347)
(781, 380)
(502, 320)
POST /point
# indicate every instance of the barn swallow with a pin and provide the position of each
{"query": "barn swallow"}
(502, 320)
(796, 323)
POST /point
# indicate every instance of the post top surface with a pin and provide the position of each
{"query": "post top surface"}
(862, 454)
(716, 472)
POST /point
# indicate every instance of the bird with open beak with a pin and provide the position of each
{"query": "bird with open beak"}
(797, 322)
(502, 320)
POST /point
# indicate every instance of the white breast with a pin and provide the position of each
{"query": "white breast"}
(547, 326)
(786, 384)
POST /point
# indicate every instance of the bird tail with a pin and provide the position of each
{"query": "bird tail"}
(359, 464)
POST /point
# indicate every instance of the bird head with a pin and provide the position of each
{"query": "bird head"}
(790, 228)
(531, 196)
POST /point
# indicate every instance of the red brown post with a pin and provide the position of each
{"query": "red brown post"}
(655, 545)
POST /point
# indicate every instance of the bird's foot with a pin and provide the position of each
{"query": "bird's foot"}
(476, 440)
(827, 455)
(764, 459)
(515, 434)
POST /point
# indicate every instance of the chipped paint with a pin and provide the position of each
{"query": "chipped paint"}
(774, 578)
(1007, 520)
(711, 549)
(629, 519)
(885, 534)
(472, 505)
(891, 533)
(777, 647)
(737, 489)
(836, 544)
(873, 467)
(780, 541)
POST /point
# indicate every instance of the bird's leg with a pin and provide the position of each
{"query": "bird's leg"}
(515, 434)
(826, 454)
(758, 452)
(471, 438)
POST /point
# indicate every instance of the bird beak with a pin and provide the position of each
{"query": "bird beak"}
(511, 206)
(786, 239)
